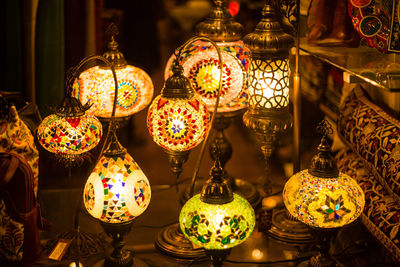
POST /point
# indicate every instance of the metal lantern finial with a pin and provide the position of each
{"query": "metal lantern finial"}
(323, 164)
(112, 52)
(216, 190)
(219, 25)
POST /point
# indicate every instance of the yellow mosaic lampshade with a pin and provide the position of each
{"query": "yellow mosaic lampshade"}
(321, 196)
(201, 66)
(323, 202)
(135, 90)
(178, 124)
(69, 134)
(117, 191)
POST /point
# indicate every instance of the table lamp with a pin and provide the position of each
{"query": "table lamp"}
(201, 66)
(116, 192)
(268, 82)
(323, 198)
(178, 119)
(71, 131)
(217, 219)
(96, 84)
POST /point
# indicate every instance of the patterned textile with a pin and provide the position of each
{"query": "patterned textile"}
(11, 236)
(374, 136)
(381, 213)
(15, 136)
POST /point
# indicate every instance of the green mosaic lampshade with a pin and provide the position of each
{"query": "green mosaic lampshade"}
(217, 226)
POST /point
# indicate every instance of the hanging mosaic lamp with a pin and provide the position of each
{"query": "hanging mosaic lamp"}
(201, 65)
(96, 84)
(322, 196)
(178, 119)
(70, 131)
(217, 219)
(117, 190)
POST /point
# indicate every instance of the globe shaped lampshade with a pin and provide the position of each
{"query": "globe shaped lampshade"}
(217, 226)
(69, 136)
(117, 190)
(323, 202)
(96, 84)
(178, 124)
(201, 66)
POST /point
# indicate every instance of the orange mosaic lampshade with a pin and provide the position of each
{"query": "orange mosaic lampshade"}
(69, 132)
(135, 90)
(178, 124)
(201, 66)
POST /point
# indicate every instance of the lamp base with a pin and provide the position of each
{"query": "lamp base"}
(119, 257)
(241, 187)
(171, 241)
(217, 256)
(289, 230)
(135, 262)
(83, 244)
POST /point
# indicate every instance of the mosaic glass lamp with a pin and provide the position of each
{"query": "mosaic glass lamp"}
(96, 84)
(116, 192)
(70, 132)
(201, 65)
(217, 219)
(323, 198)
(178, 119)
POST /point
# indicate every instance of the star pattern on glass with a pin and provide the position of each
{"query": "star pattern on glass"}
(333, 209)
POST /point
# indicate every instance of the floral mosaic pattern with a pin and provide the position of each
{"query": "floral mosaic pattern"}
(381, 214)
(217, 226)
(135, 90)
(69, 136)
(375, 136)
(117, 190)
(323, 202)
(15, 136)
(200, 64)
(178, 124)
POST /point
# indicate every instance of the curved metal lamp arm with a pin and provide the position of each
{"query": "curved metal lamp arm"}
(75, 72)
(203, 147)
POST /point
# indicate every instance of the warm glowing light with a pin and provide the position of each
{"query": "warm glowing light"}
(69, 136)
(178, 124)
(97, 85)
(201, 67)
(257, 254)
(117, 190)
(215, 226)
(323, 202)
(269, 83)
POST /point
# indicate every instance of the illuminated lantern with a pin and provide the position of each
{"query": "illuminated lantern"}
(96, 84)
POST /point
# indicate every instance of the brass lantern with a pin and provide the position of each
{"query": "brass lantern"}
(268, 80)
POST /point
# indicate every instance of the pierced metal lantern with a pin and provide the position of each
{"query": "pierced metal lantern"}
(96, 84)
(268, 78)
